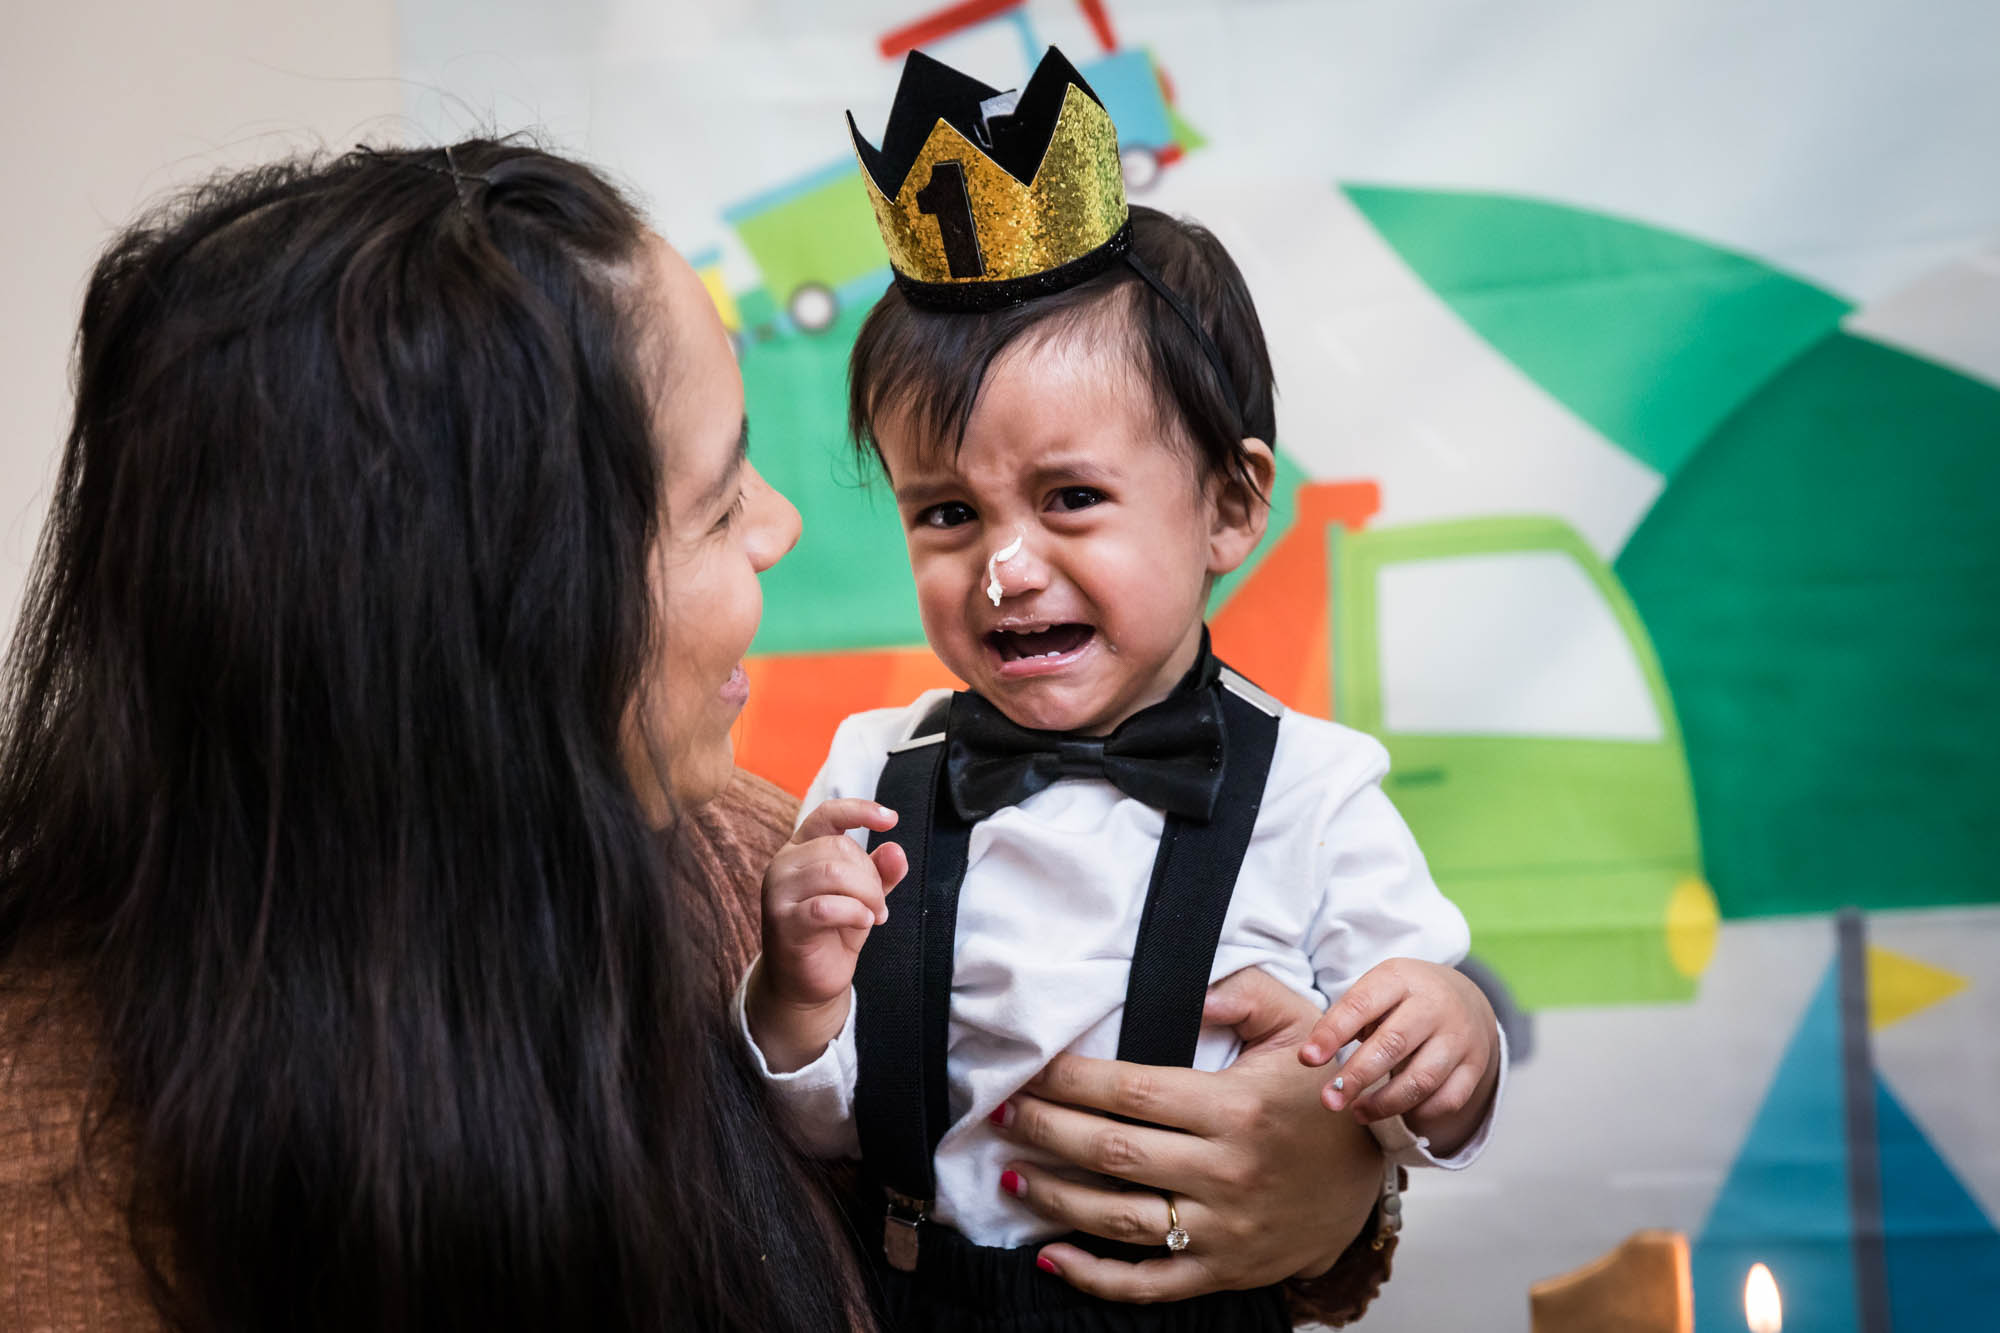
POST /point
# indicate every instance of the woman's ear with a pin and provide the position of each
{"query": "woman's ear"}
(1241, 511)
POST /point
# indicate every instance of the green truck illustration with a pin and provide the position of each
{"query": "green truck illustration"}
(1534, 746)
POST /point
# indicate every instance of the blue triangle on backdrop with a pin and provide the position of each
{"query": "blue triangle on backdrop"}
(1944, 1255)
(1785, 1204)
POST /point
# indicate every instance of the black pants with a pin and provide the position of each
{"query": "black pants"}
(960, 1287)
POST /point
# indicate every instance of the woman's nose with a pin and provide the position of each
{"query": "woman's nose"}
(773, 521)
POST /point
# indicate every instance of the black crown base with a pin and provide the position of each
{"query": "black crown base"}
(977, 297)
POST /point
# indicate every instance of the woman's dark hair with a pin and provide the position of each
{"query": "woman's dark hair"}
(312, 774)
(931, 364)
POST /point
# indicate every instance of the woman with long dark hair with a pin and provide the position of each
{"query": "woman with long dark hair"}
(353, 683)
(372, 860)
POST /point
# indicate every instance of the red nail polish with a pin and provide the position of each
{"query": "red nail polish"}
(1046, 1264)
(1002, 1114)
(1011, 1182)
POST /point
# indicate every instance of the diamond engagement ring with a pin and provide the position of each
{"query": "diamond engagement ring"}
(1177, 1236)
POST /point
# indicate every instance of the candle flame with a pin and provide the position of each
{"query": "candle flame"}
(1761, 1306)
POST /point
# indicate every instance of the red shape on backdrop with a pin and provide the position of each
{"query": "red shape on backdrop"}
(935, 27)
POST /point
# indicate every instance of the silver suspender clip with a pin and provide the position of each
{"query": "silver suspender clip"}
(899, 1229)
(1389, 1217)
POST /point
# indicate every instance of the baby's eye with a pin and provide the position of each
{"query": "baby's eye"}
(950, 514)
(1077, 497)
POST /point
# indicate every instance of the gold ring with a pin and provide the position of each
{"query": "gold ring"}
(1177, 1236)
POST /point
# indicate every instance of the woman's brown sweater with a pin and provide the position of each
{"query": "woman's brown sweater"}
(66, 1263)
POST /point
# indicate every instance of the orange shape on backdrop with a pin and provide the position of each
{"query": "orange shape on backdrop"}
(797, 700)
(1275, 629)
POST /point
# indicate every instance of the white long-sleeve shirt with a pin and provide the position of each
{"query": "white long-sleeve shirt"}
(1048, 915)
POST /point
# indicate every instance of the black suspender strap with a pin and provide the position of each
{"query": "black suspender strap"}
(1194, 877)
(902, 979)
(901, 1096)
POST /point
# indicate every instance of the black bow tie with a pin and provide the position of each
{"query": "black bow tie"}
(1168, 755)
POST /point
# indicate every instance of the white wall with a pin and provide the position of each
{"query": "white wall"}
(107, 103)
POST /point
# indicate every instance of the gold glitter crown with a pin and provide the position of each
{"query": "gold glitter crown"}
(988, 199)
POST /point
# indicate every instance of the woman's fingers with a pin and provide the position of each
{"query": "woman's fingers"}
(1273, 1186)
(1178, 1278)
(1180, 1098)
(1137, 1217)
(1267, 1183)
(1260, 1007)
(1137, 1153)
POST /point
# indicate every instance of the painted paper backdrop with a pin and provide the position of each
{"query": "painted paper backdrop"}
(1640, 429)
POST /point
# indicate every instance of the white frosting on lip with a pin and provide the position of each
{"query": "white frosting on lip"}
(998, 558)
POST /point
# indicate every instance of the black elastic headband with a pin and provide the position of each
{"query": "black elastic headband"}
(979, 297)
(1208, 347)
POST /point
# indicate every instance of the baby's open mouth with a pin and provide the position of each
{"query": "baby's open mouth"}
(1053, 641)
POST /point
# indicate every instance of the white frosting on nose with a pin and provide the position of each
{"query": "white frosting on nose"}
(997, 559)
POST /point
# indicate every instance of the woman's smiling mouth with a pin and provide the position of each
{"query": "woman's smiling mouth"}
(736, 690)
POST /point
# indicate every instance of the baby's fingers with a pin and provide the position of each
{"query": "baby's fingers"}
(837, 911)
(1379, 990)
(891, 864)
(841, 814)
(835, 868)
(1397, 1036)
(1420, 1077)
(1460, 1087)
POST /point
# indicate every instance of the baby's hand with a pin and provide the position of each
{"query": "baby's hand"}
(1429, 1026)
(822, 895)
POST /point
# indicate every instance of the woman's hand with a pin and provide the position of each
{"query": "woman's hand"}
(1267, 1183)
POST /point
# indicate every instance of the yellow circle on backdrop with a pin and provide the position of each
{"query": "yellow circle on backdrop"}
(1693, 923)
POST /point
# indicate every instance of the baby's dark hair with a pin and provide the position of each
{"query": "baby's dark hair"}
(932, 364)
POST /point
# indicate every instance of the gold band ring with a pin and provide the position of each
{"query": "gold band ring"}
(1177, 1236)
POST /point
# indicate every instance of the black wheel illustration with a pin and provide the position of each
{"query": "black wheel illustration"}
(1141, 166)
(1518, 1024)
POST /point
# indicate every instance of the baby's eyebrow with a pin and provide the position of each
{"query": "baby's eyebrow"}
(1076, 469)
(923, 490)
(1070, 470)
